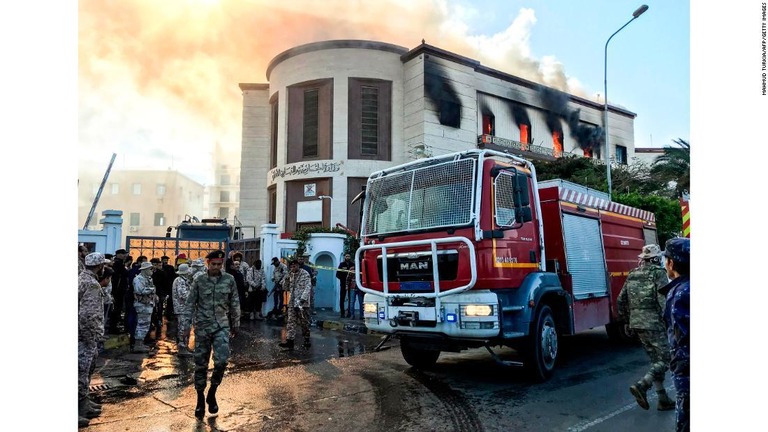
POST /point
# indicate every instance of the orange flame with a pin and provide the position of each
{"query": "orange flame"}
(557, 144)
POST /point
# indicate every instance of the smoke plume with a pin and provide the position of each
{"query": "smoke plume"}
(158, 81)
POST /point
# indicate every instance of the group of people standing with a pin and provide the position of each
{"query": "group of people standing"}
(201, 296)
(654, 304)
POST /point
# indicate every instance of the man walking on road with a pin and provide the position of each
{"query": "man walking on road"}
(640, 307)
(299, 286)
(677, 317)
(215, 306)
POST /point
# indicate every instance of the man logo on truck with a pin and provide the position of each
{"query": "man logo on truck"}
(414, 266)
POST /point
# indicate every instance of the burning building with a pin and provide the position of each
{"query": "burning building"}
(335, 111)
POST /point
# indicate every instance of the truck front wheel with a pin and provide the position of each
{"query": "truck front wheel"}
(541, 353)
(418, 357)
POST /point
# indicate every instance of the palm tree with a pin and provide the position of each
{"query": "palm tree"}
(674, 166)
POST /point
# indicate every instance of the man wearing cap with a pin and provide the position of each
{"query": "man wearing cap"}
(179, 294)
(677, 318)
(215, 306)
(90, 314)
(144, 302)
(299, 286)
(82, 251)
(181, 259)
(640, 307)
(197, 268)
(303, 259)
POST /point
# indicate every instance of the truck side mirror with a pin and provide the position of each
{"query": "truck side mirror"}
(522, 198)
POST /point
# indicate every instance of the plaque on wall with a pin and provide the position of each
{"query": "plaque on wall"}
(309, 189)
(309, 211)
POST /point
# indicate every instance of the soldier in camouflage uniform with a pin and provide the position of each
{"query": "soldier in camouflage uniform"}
(144, 302)
(215, 307)
(179, 293)
(299, 286)
(90, 314)
(640, 307)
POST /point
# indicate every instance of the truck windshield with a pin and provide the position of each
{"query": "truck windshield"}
(434, 196)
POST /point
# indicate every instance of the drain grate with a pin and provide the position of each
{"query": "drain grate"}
(99, 387)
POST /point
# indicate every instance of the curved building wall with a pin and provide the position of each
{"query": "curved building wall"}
(329, 171)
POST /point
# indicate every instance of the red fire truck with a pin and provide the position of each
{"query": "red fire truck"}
(468, 250)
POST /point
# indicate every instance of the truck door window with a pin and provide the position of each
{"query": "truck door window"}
(504, 187)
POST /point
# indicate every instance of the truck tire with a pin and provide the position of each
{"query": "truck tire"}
(541, 353)
(418, 357)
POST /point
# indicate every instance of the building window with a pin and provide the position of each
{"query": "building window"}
(135, 219)
(489, 124)
(224, 196)
(273, 138)
(272, 204)
(225, 180)
(621, 155)
(115, 188)
(310, 130)
(310, 112)
(370, 119)
(160, 189)
(223, 212)
(159, 219)
(137, 188)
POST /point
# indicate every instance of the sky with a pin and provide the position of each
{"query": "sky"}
(158, 81)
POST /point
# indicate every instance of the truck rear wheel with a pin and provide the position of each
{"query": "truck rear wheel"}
(542, 350)
(418, 357)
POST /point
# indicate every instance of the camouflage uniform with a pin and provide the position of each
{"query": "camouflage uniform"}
(179, 294)
(215, 306)
(299, 286)
(144, 303)
(90, 314)
(640, 306)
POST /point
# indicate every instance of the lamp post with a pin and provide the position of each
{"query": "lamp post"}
(635, 14)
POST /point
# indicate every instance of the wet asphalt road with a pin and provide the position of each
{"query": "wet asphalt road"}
(341, 384)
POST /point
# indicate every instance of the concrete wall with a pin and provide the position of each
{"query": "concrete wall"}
(254, 159)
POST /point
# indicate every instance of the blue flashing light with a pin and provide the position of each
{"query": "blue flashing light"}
(381, 315)
(450, 317)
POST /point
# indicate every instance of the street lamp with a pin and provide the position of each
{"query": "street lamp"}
(635, 14)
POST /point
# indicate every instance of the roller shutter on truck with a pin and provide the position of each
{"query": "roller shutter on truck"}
(585, 259)
(649, 236)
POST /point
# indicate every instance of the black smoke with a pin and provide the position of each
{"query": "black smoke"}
(442, 94)
(556, 103)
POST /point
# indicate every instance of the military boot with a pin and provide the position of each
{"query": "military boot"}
(82, 422)
(85, 410)
(665, 402)
(141, 348)
(93, 405)
(213, 406)
(288, 344)
(200, 407)
(638, 390)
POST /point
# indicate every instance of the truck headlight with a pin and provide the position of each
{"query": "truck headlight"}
(370, 308)
(478, 310)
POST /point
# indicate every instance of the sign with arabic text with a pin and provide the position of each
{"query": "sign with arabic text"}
(306, 168)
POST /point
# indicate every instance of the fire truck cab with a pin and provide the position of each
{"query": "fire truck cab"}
(468, 250)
